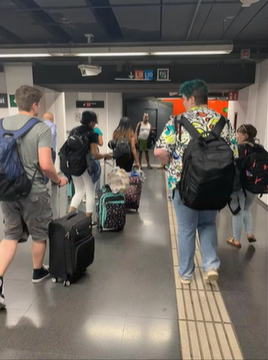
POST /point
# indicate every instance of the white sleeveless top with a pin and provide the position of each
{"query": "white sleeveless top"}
(144, 131)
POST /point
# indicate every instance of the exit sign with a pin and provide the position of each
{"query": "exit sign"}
(12, 101)
(88, 104)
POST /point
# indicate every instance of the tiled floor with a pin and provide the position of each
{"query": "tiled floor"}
(123, 308)
(228, 320)
(130, 303)
(206, 331)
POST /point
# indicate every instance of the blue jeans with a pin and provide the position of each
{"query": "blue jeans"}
(244, 215)
(190, 220)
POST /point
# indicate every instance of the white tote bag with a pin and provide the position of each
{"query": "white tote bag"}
(118, 180)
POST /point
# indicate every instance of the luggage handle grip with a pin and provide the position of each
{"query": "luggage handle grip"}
(71, 214)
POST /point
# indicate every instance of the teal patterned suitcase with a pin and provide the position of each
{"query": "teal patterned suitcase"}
(111, 210)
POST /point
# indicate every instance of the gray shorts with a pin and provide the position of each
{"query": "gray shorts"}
(35, 211)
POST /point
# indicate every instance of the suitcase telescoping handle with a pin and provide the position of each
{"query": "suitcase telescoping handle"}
(106, 162)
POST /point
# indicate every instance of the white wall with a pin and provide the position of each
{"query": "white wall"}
(17, 75)
(3, 84)
(108, 117)
(252, 107)
(3, 90)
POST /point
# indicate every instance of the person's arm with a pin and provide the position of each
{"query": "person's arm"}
(229, 135)
(133, 148)
(54, 136)
(166, 143)
(100, 140)
(162, 156)
(96, 154)
(54, 131)
(137, 130)
(47, 166)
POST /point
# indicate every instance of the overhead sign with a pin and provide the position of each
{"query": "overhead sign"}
(148, 75)
(141, 75)
(233, 95)
(3, 101)
(245, 54)
(89, 104)
(162, 74)
(138, 74)
(12, 101)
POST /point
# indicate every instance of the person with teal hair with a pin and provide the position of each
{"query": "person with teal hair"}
(169, 150)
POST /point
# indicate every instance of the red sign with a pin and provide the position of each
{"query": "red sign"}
(245, 54)
(232, 95)
(89, 104)
(139, 74)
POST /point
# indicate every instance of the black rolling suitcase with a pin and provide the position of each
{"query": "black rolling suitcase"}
(71, 246)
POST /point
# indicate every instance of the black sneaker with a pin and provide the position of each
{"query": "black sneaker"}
(40, 274)
(2, 298)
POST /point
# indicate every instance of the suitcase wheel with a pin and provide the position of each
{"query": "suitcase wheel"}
(54, 280)
(100, 229)
(66, 283)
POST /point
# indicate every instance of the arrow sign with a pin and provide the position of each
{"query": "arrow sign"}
(131, 76)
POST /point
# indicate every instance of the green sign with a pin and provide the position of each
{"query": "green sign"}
(225, 110)
(12, 101)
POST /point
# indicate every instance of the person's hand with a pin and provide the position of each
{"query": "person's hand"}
(63, 181)
(108, 157)
(137, 165)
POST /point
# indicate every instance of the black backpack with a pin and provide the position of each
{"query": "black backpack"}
(208, 168)
(122, 148)
(73, 154)
(254, 170)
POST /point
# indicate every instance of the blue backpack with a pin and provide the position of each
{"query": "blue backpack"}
(14, 182)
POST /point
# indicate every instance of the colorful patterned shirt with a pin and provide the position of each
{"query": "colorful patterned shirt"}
(203, 119)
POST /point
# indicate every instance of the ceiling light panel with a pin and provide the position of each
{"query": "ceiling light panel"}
(117, 51)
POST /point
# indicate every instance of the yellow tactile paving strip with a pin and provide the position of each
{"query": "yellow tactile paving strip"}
(206, 331)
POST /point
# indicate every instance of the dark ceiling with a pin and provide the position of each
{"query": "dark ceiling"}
(55, 22)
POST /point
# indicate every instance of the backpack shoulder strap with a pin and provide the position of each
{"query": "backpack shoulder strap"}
(20, 132)
(139, 128)
(219, 126)
(188, 126)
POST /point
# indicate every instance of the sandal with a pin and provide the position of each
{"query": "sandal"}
(231, 241)
(251, 238)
